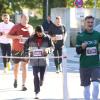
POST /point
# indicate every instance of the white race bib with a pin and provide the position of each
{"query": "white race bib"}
(37, 52)
(59, 37)
(90, 51)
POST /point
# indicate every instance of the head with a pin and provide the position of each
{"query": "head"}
(89, 23)
(48, 18)
(58, 21)
(24, 19)
(5, 18)
(39, 31)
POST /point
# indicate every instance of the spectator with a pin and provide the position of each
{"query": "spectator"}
(46, 24)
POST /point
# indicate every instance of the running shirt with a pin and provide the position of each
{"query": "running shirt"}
(19, 29)
(90, 57)
(5, 28)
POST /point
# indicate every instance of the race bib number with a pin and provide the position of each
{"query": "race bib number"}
(59, 37)
(37, 52)
(90, 51)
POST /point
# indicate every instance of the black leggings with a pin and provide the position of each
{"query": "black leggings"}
(6, 51)
(57, 53)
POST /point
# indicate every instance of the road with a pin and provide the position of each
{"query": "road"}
(52, 88)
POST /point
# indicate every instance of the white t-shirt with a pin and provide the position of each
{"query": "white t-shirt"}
(5, 28)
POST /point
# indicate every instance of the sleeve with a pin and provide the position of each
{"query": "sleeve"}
(13, 30)
(79, 49)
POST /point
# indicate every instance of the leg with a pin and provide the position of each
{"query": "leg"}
(42, 72)
(36, 79)
(3, 50)
(24, 72)
(95, 92)
(56, 59)
(95, 79)
(8, 54)
(60, 59)
(85, 75)
(8, 47)
(16, 66)
(87, 92)
(24, 75)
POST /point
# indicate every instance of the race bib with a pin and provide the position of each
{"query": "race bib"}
(90, 51)
(37, 52)
(59, 37)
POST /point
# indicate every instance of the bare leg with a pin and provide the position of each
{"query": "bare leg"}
(16, 66)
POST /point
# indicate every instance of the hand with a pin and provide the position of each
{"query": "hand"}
(45, 53)
(84, 45)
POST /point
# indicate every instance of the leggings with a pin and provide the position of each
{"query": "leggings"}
(6, 51)
(57, 52)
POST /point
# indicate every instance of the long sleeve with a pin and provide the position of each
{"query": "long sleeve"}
(79, 49)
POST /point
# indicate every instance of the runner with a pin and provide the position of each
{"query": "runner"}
(57, 31)
(40, 45)
(87, 45)
(5, 43)
(18, 33)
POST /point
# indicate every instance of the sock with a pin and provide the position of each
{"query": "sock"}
(86, 92)
(95, 91)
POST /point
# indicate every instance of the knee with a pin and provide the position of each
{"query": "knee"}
(95, 84)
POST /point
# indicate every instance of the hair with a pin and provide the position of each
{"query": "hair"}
(39, 28)
(58, 17)
(89, 17)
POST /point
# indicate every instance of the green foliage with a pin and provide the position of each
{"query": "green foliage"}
(34, 21)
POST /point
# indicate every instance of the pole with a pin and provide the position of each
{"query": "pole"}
(46, 8)
(94, 10)
(65, 88)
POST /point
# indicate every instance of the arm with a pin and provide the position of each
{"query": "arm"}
(80, 47)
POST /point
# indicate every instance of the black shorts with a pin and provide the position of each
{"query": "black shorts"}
(18, 54)
(87, 75)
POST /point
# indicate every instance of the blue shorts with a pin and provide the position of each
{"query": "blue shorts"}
(87, 75)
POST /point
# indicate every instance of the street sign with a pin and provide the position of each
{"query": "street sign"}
(78, 3)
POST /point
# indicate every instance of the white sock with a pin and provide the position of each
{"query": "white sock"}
(95, 91)
(86, 92)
